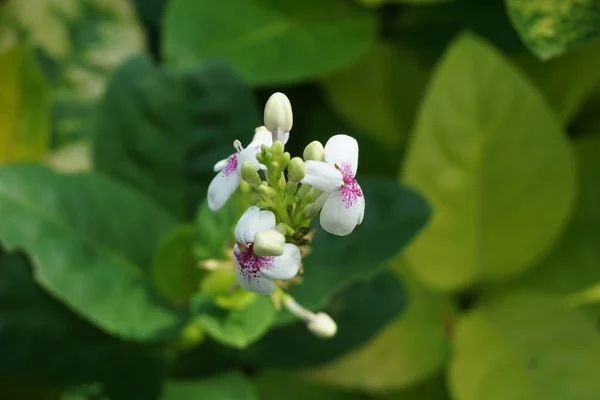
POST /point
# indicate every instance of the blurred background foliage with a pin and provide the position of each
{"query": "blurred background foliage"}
(473, 277)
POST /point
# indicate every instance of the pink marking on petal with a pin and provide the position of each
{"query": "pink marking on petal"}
(250, 263)
(231, 166)
(350, 191)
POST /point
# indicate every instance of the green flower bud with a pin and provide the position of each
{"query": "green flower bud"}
(249, 173)
(268, 243)
(278, 115)
(266, 190)
(314, 151)
(277, 148)
(296, 169)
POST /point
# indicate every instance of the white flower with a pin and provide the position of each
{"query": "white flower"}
(230, 170)
(256, 273)
(344, 206)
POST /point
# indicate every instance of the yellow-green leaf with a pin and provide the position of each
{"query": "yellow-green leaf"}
(552, 27)
(24, 107)
(526, 346)
(490, 155)
(379, 95)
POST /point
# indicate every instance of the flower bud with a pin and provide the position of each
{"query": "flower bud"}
(314, 151)
(266, 190)
(278, 115)
(249, 173)
(277, 148)
(268, 243)
(322, 325)
(296, 169)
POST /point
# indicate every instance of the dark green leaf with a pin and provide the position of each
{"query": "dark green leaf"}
(82, 248)
(230, 386)
(163, 132)
(275, 385)
(272, 41)
(552, 27)
(43, 342)
(394, 214)
(360, 312)
(175, 272)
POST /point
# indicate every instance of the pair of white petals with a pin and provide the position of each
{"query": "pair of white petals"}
(343, 200)
(226, 182)
(256, 273)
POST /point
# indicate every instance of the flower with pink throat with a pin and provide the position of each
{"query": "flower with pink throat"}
(230, 169)
(254, 272)
(343, 200)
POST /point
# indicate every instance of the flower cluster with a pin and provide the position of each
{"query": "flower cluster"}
(290, 192)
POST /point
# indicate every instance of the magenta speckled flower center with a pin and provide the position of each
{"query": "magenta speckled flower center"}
(350, 192)
(231, 166)
(250, 263)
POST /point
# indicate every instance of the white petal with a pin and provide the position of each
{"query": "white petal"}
(221, 188)
(220, 165)
(253, 281)
(362, 213)
(266, 221)
(246, 226)
(286, 137)
(342, 149)
(261, 136)
(249, 154)
(286, 265)
(343, 210)
(322, 176)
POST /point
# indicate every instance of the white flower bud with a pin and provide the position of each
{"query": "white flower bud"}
(268, 243)
(278, 115)
(314, 151)
(322, 325)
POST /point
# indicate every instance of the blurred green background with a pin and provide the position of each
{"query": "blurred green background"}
(476, 275)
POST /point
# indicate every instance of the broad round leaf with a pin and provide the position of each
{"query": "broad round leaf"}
(24, 107)
(552, 27)
(163, 132)
(91, 241)
(270, 41)
(491, 156)
(525, 346)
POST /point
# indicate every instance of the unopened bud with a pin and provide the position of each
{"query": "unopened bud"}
(277, 148)
(278, 115)
(314, 151)
(268, 243)
(296, 169)
(266, 190)
(322, 325)
(249, 173)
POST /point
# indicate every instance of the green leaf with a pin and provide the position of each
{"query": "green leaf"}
(100, 270)
(81, 44)
(393, 217)
(44, 343)
(374, 3)
(360, 312)
(567, 81)
(392, 80)
(573, 264)
(409, 350)
(491, 156)
(239, 328)
(276, 385)
(24, 107)
(552, 27)
(229, 386)
(525, 346)
(432, 389)
(174, 270)
(274, 42)
(162, 132)
(214, 229)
